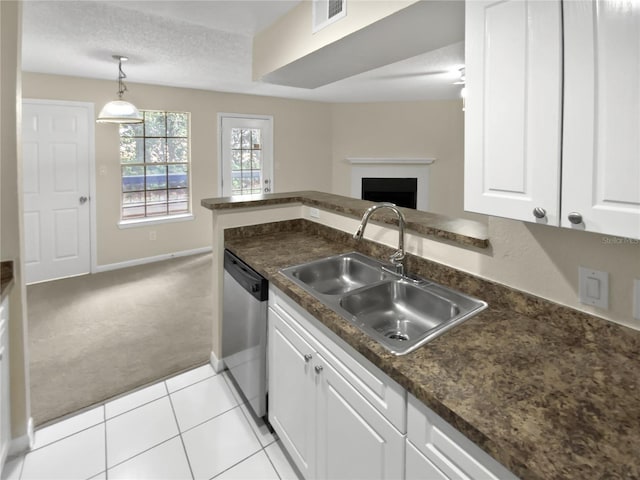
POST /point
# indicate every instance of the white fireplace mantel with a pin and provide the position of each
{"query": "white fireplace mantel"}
(389, 160)
(379, 167)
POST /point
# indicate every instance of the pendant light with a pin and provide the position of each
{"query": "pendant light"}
(119, 111)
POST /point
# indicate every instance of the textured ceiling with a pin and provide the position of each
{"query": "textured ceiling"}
(205, 45)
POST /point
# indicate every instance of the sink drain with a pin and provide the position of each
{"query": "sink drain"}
(394, 335)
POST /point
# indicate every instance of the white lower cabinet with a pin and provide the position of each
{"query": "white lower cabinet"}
(354, 439)
(5, 413)
(329, 428)
(341, 419)
(436, 450)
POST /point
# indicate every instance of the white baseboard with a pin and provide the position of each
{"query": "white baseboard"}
(216, 363)
(22, 444)
(156, 258)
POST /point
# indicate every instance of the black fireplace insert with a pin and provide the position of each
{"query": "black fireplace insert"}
(401, 191)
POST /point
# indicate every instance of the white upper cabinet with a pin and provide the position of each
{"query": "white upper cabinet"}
(553, 113)
(513, 108)
(601, 136)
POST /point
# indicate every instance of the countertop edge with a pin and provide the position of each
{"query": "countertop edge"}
(460, 231)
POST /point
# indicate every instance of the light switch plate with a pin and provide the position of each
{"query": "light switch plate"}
(636, 299)
(593, 287)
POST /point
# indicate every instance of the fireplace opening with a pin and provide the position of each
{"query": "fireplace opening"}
(401, 191)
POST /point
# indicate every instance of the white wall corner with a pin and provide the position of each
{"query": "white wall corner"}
(216, 363)
(23, 443)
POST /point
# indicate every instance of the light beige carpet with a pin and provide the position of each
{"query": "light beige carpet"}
(96, 336)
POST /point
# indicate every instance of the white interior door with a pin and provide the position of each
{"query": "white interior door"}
(246, 155)
(57, 145)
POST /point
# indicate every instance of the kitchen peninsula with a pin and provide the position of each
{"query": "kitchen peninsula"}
(548, 391)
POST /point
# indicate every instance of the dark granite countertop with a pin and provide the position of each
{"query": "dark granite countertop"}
(6, 278)
(462, 231)
(548, 391)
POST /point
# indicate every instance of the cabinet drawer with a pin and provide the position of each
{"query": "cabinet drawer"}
(419, 467)
(382, 392)
(448, 449)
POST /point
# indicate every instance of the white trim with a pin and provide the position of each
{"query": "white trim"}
(390, 160)
(143, 222)
(216, 363)
(418, 170)
(22, 444)
(93, 235)
(269, 118)
(156, 258)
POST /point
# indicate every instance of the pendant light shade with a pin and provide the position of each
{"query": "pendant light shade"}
(119, 111)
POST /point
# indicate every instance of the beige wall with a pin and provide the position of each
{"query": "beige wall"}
(301, 153)
(429, 129)
(537, 259)
(10, 213)
(291, 37)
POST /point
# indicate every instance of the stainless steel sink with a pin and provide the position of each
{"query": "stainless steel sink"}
(402, 316)
(398, 312)
(337, 275)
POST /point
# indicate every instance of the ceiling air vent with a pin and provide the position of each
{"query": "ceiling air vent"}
(325, 12)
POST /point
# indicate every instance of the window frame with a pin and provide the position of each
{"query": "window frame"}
(268, 140)
(166, 218)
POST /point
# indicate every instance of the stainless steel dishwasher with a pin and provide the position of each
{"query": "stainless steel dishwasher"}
(244, 330)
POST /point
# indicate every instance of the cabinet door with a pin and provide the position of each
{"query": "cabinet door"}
(601, 151)
(354, 440)
(292, 393)
(5, 413)
(513, 110)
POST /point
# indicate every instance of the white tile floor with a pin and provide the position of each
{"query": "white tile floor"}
(192, 426)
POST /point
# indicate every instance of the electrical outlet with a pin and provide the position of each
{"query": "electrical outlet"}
(152, 235)
(593, 287)
(314, 212)
(636, 299)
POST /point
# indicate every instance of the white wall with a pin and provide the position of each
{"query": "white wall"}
(10, 213)
(538, 259)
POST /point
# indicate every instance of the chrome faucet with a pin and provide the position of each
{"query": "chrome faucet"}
(397, 259)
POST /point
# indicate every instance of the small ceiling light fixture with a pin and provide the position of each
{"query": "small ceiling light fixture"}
(119, 111)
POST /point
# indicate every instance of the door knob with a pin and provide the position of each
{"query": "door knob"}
(83, 200)
(575, 218)
(539, 212)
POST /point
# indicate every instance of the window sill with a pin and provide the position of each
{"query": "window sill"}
(143, 222)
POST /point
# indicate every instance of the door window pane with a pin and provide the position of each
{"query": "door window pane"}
(246, 161)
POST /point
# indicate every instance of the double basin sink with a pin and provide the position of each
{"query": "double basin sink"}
(399, 312)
